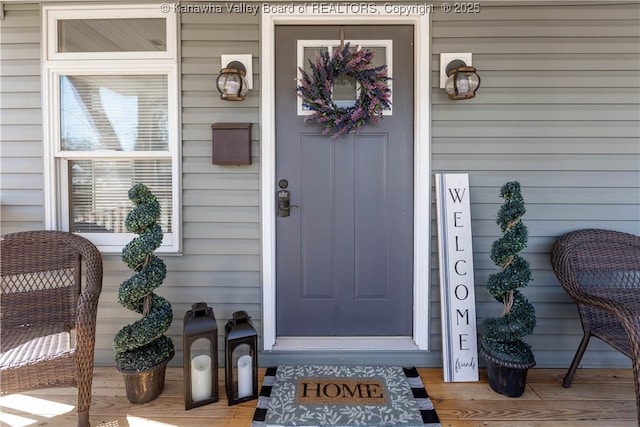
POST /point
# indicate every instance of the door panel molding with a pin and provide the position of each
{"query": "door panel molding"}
(422, 165)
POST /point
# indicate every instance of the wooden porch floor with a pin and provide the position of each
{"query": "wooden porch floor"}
(598, 397)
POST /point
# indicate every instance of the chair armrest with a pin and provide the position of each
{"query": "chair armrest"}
(87, 306)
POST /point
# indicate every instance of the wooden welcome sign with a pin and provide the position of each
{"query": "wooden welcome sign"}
(459, 341)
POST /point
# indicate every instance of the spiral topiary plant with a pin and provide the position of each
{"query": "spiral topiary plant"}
(502, 337)
(141, 346)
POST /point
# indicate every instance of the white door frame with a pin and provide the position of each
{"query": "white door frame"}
(422, 165)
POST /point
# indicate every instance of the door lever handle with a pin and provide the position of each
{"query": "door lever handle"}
(284, 207)
(287, 206)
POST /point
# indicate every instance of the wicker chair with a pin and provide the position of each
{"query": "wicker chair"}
(44, 310)
(600, 270)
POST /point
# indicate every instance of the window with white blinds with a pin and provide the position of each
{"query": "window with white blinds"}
(112, 122)
(98, 193)
(113, 113)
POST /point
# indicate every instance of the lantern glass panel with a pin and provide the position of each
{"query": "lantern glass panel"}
(201, 367)
(233, 84)
(474, 81)
(200, 346)
(242, 361)
(466, 82)
(462, 84)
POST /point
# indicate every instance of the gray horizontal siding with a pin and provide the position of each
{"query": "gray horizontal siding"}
(220, 263)
(546, 13)
(558, 113)
(496, 128)
(21, 165)
(558, 110)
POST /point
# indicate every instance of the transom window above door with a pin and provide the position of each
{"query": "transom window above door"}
(112, 35)
(345, 90)
(117, 31)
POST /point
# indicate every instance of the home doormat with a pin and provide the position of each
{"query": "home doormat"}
(344, 396)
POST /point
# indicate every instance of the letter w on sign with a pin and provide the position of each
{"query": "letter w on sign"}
(458, 304)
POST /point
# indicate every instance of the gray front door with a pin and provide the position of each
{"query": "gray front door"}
(344, 260)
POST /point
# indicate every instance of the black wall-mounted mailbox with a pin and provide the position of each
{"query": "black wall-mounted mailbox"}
(231, 143)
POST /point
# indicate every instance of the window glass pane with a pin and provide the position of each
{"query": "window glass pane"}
(310, 54)
(99, 192)
(345, 88)
(380, 58)
(114, 113)
(379, 55)
(112, 35)
(345, 91)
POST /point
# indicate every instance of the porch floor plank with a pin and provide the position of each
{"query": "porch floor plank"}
(598, 397)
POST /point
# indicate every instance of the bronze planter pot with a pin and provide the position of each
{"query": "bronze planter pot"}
(143, 387)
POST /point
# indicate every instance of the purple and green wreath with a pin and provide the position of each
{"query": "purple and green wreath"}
(315, 90)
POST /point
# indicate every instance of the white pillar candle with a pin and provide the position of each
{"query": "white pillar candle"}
(200, 378)
(245, 376)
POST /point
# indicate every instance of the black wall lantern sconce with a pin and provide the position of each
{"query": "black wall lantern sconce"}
(241, 354)
(457, 76)
(200, 349)
(235, 78)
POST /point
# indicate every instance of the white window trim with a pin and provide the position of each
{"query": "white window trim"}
(57, 64)
(52, 14)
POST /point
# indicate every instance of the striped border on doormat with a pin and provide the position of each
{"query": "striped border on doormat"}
(410, 404)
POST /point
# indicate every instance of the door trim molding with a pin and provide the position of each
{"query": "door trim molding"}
(422, 161)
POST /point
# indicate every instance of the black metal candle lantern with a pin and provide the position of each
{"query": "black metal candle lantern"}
(200, 346)
(241, 367)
